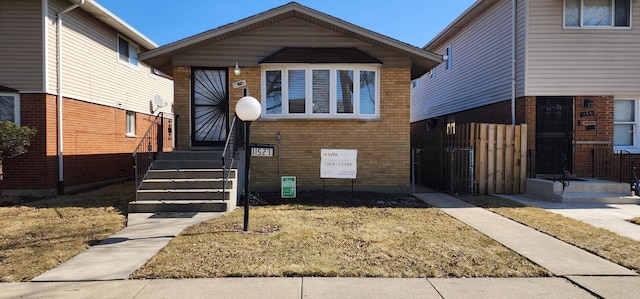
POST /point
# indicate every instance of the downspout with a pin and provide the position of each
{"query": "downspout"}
(59, 91)
(514, 21)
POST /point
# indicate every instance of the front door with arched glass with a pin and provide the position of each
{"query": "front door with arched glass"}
(209, 106)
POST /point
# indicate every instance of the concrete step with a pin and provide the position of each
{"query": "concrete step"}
(609, 198)
(183, 194)
(585, 190)
(186, 164)
(154, 206)
(188, 173)
(191, 155)
(171, 183)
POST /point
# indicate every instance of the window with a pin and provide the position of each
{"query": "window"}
(131, 123)
(10, 107)
(127, 52)
(625, 119)
(448, 57)
(308, 91)
(597, 13)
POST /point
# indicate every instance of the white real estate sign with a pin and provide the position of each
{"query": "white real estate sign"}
(338, 164)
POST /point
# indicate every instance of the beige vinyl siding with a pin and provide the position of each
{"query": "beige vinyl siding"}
(292, 32)
(567, 62)
(481, 68)
(93, 73)
(21, 47)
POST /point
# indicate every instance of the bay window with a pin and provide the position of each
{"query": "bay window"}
(316, 91)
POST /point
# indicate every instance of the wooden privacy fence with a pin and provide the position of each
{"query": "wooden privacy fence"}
(499, 157)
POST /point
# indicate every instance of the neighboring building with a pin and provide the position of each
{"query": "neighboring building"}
(323, 83)
(70, 70)
(570, 69)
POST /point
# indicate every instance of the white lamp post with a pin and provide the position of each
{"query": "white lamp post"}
(248, 109)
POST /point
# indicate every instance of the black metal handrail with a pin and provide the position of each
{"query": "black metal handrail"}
(230, 150)
(147, 150)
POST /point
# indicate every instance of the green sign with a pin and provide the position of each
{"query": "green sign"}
(288, 187)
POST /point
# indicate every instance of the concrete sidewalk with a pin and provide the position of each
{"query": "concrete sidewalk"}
(121, 254)
(317, 287)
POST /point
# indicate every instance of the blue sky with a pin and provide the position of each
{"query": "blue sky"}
(414, 22)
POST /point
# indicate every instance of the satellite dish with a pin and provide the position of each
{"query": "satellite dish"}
(159, 102)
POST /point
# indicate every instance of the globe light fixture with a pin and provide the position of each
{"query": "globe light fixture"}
(237, 71)
(248, 110)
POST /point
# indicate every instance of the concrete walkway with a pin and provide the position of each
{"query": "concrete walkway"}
(121, 254)
(102, 271)
(552, 254)
(608, 216)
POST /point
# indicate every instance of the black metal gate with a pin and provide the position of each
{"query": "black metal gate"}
(554, 136)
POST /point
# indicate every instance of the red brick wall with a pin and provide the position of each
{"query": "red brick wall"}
(95, 145)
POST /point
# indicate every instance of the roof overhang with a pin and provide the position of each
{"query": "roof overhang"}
(104, 15)
(421, 60)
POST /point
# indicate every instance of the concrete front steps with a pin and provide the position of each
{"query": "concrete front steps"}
(186, 181)
(583, 190)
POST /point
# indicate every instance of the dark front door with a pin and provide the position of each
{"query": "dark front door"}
(209, 106)
(554, 136)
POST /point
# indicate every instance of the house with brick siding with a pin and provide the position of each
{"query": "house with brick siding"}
(322, 83)
(569, 69)
(70, 69)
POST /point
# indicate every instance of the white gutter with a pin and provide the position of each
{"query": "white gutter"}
(59, 98)
(514, 32)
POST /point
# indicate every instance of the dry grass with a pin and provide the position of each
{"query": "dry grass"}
(37, 236)
(332, 241)
(635, 220)
(616, 248)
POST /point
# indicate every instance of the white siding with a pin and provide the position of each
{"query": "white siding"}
(21, 47)
(569, 62)
(481, 68)
(91, 70)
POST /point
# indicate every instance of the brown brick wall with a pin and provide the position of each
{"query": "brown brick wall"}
(182, 106)
(95, 146)
(383, 145)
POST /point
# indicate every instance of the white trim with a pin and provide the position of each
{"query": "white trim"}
(609, 27)
(45, 46)
(635, 139)
(131, 45)
(333, 113)
(16, 105)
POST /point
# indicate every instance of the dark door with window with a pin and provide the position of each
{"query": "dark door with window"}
(209, 106)
(554, 136)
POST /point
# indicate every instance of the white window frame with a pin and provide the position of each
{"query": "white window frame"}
(582, 26)
(16, 105)
(132, 48)
(130, 124)
(448, 57)
(635, 147)
(333, 113)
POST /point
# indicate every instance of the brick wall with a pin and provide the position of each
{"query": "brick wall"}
(182, 106)
(585, 138)
(383, 145)
(95, 146)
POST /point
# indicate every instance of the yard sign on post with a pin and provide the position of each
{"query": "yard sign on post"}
(338, 164)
